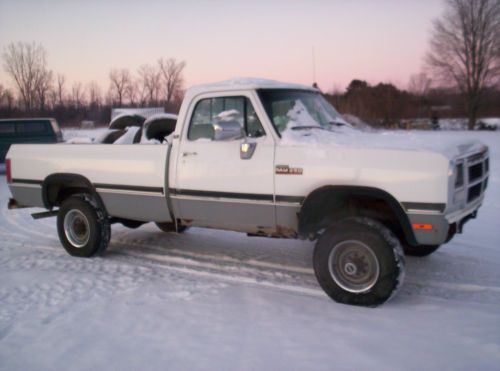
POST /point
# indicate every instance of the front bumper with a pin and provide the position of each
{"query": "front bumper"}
(444, 226)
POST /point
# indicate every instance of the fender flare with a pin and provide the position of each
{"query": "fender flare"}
(314, 199)
(68, 180)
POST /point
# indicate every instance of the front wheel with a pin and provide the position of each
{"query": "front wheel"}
(359, 261)
(83, 227)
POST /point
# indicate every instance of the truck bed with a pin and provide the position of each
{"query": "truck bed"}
(129, 179)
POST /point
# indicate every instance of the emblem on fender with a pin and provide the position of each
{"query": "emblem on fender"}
(287, 170)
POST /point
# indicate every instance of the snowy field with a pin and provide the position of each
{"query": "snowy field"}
(212, 300)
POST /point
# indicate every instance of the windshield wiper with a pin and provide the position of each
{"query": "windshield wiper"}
(305, 127)
(337, 123)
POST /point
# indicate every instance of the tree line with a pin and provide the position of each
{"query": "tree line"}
(385, 105)
(40, 91)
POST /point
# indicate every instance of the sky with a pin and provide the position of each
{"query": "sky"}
(374, 40)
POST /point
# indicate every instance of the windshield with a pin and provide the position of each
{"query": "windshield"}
(299, 110)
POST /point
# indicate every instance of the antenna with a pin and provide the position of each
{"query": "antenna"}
(314, 66)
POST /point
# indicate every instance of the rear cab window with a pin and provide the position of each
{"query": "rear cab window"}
(32, 127)
(7, 128)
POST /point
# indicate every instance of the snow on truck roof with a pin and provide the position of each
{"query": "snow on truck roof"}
(245, 83)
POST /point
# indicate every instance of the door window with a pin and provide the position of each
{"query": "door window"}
(7, 128)
(211, 111)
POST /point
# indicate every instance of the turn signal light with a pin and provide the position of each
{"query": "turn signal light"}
(421, 226)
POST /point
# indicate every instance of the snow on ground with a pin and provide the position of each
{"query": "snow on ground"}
(208, 300)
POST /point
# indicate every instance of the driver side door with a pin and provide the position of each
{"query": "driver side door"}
(217, 186)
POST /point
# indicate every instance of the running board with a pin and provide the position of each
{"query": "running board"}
(44, 214)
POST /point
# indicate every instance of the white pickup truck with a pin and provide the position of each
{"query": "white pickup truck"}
(268, 159)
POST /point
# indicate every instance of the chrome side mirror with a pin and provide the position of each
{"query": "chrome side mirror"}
(227, 130)
(247, 149)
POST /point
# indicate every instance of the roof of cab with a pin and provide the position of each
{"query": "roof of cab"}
(249, 83)
(27, 119)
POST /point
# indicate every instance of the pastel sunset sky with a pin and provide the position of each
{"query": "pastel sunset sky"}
(375, 40)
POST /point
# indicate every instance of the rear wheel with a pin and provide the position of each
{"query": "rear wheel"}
(359, 261)
(420, 250)
(82, 226)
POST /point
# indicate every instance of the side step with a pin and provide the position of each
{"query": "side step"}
(44, 214)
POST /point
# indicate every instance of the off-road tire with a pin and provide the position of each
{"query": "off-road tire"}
(420, 250)
(94, 228)
(377, 244)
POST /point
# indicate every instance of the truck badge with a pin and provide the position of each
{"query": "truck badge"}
(287, 170)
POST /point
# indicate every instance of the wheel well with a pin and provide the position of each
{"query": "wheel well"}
(58, 187)
(329, 204)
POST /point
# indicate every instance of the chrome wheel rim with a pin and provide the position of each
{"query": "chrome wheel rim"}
(76, 228)
(353, 266)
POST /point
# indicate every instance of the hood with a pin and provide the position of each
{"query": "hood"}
(438, 142)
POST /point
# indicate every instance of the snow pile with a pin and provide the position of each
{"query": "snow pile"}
(453, 124)
(490, 123)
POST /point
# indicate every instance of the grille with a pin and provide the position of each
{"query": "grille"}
(474, 192)
(475, 172)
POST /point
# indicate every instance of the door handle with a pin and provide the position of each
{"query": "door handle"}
(185, 154)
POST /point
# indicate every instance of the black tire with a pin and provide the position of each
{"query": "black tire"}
(170, 227)
(83, 227)
(420, 250)
(359, 261)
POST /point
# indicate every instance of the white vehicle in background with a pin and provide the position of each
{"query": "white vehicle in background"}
(268, 159)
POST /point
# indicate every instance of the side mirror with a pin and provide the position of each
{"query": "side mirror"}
(227, 130)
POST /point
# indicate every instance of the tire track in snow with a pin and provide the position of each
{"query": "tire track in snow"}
(23, 224)
(413, 284)
(289, 278)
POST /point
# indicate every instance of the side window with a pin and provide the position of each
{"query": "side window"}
(31, 127)
(237, 110)
(7, 128)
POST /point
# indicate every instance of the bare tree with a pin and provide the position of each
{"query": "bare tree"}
(465, 49)
(61, 80)
(119, 80)
(171, 73)
(43, 85)
(9, 99)
(95, 95)
(6, 99)
(419, 86)
(78, 94)
(150, 83)
(2, 94)
(26, 63)
(131, 92)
